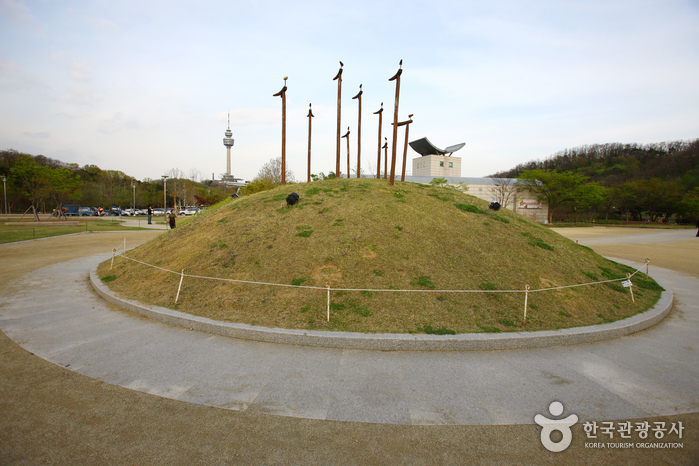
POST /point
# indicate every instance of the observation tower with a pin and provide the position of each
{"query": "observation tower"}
(228, 142)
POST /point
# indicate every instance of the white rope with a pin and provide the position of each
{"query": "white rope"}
(376, 290)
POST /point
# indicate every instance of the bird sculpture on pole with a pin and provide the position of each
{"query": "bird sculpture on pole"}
(348, 152)
(395, 78)
(405, 146)
(282, 94)
(359, 133)
(385, 158)
(338, 78)
(310, 115)
(378, 161)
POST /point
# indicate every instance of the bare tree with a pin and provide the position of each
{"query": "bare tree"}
(504, 191)
(271, 173)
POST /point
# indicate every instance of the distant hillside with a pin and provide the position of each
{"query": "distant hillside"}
(614, 164)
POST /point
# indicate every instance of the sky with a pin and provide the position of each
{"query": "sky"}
(146, 86)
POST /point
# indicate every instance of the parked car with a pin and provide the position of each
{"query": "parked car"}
(192, 210)
(71, 210)
(115, 210)
(87, 212)
(158, 212)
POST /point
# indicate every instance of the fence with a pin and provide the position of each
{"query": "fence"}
(626, 282)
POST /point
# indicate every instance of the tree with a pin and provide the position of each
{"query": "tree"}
(34, 180)
(271, 173)
(553, 187)
(504, 191)
(63, 186)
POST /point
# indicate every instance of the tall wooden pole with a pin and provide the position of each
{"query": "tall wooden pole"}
(385, 159)
(359, 133)
(310, 115)
(282, 94)
(395, 78)
(348, 152)
(378, 161)
(405, 146)
(338, 78)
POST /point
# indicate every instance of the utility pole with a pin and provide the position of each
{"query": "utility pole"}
(359, 133)
(282, 94)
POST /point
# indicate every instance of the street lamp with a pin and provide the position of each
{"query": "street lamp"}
(4, 188)
(164, 177)
(133, 185)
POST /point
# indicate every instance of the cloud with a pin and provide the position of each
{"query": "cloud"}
(15, 12)
(37, 135)
(116, 123)
(10, 68)
(80, 71)
(256, 117)
(103, 24)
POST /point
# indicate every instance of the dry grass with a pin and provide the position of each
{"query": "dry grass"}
(365, 234)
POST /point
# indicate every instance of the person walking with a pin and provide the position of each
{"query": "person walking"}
(150, 214)
(172, 218)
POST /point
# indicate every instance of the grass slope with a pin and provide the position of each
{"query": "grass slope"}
(366, 234)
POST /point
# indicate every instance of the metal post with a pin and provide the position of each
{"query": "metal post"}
(164, 177)
(378, 161)
(4, 188)
(282, 93)
(133, 185)
(359, 133)
(395, 78)
(348, 152)
(310, 115)
(338, 78)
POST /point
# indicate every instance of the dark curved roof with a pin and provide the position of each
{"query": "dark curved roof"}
(425, 147)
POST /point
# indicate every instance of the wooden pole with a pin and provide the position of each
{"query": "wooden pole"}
(348, 152)
(310, 115)
(359, 133)
(395, 78)
(405, 123)
(385, 159)
(338, 78)
(282, 94)
(378, 161)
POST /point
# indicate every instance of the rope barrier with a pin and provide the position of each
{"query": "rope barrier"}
(526, 291)
(203, 277)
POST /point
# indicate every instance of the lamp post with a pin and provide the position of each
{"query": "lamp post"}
(133, 185)
(4, 188)
(164, 177)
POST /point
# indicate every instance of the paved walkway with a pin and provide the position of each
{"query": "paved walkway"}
(651, 373)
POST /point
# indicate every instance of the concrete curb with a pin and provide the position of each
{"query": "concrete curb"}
(395, 341)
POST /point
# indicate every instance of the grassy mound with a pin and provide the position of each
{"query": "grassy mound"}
(371, 237)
